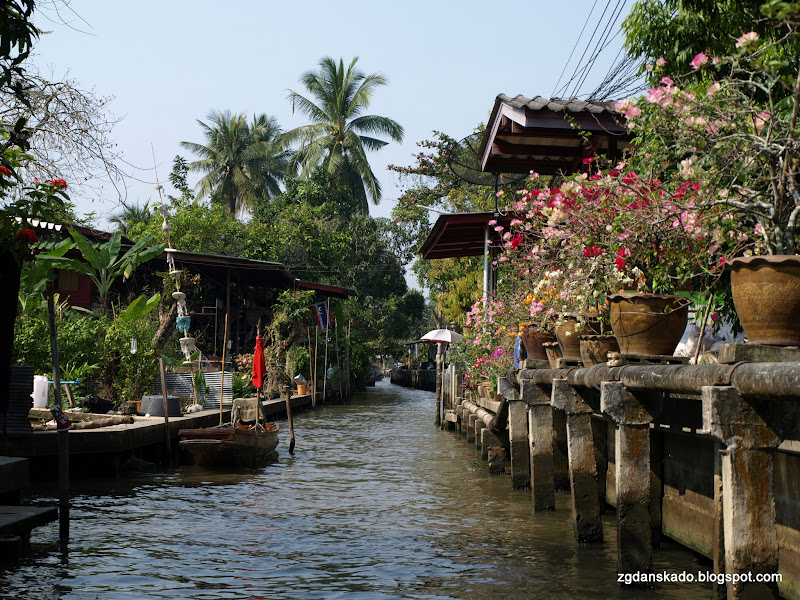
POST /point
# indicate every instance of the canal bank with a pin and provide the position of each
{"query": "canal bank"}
(376, 503)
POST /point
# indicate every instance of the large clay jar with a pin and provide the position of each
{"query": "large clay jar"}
(595, 348)
(569, 331)
(648, 323)
(533, 338)
(766, 294)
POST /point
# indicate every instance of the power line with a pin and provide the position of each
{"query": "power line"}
(577, 41)
(580, 60)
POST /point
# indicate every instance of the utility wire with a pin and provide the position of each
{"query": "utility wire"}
(564, 88)
(577, 41)
(602, 44)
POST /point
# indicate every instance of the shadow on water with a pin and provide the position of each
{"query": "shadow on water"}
(376, 503)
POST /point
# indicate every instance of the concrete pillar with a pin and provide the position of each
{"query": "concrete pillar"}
(518, 443)
(720, 589)
(632, 458)
(540, 444)
(559, 444)
(471, 428)
(492, 450)
(582, 468)
(479, 426)
(748, 499)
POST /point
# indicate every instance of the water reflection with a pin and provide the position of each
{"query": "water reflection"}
(376, 504)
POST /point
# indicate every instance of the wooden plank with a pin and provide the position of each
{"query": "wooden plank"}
(21, 519)
(14, 474)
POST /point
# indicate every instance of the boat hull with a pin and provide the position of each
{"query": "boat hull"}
(227, 446)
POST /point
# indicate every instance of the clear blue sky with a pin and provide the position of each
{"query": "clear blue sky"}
(170, 63)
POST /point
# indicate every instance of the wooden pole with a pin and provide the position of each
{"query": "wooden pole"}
(222, 368)
(325, 372)
(288, 391)
(316, 344)
(164, 402)
(438, 383)
(63, 434)
(703, 327)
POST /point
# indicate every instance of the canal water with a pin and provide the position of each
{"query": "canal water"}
(376, 504)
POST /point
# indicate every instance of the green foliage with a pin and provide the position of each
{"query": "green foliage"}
(132, 374)
(77, 338)
(102, 263)
(240, 162)
(340, 135)
(677, 30)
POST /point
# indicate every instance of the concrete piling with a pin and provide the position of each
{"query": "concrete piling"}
(471, 418)
(750, 532)
(582, 467)
(632, 459)
(540, 445)
(518, 443)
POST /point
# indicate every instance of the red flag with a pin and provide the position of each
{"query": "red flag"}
(258, 363)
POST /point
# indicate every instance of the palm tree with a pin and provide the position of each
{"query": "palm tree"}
(131, 214)
(241, 162)
(340, 134)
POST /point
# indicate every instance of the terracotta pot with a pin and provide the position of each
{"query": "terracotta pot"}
(569, 332)
(533, 338)
(766, 294)
(595, 348)
(553, 352)
(648, 323)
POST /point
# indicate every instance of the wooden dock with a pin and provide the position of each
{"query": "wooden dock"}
(16, 522)
(103, 450)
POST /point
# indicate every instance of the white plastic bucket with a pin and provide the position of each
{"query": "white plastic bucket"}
(39, 395)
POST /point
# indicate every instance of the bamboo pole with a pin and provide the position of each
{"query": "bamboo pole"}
(164, 402)
(288, 391)
(222, 368)
(703, 327)
(316, 345)
(63, 434)
(325, 372)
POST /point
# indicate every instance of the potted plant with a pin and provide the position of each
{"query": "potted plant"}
(735, 134)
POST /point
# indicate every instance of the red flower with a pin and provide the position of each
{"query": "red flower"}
(620, 262)
(588, 161)
(27, 235)
(515, 241)
(5, 171)
(59, 184)
(589, 251)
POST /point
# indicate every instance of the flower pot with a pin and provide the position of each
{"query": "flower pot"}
(766, 294)
(569, 332)
(533, 338)
(553, 352)
(302, 390)
(648, 323)
(595, 348)
(484, 390)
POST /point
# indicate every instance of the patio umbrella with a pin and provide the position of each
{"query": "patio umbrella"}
(445, 336)
(440, 336)
(258, 364)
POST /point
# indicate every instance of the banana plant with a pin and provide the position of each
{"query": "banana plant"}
(103, 263)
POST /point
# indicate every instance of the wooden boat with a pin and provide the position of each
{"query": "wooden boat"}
(243, 442)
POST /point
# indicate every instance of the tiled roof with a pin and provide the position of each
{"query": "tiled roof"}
(573, 105)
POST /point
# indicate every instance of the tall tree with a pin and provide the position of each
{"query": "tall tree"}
(340, 134)
(241, 161)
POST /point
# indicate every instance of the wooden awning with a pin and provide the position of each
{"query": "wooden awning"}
(460, 234)
(525, 135)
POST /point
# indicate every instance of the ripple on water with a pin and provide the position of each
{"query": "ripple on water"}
(376, 504)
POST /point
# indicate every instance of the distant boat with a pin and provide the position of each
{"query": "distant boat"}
(244, 442)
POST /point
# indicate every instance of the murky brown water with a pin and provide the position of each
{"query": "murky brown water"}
(376, 504)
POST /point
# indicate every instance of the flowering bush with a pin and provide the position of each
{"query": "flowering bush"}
(735, 135)
(603, 232)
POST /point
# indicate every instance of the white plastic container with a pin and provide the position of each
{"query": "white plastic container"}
(40, 389)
